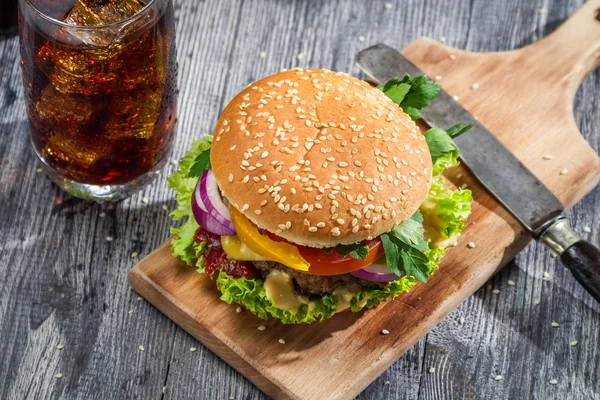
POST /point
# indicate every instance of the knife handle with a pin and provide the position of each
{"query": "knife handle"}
(583, 260)
(581, 257)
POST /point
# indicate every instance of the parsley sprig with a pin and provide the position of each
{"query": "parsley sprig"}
(357, 250)
(404, 247)
(411, 94)
(201, 164)
(440, 142)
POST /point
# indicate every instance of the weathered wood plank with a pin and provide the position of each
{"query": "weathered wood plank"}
(63, 283)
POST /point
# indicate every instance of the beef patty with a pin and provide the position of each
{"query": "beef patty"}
(307, 284)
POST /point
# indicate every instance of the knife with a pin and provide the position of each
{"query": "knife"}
(529, 201)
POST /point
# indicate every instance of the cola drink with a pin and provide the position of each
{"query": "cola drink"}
(100, 89)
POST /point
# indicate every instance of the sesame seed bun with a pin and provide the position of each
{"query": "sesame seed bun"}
(320, 158)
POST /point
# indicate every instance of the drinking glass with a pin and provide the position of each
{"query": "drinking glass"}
(100, 82)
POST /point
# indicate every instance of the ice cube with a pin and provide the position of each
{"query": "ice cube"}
(60, 109)
(74, 149)
(102, 12)
(133, 114)
(74, 71)
(144, 62)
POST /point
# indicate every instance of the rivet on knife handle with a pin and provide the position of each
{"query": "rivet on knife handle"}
(580, 257)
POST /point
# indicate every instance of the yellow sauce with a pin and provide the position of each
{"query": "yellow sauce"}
(236, 250)
(432, 225)
(280, 290)
(344, 295)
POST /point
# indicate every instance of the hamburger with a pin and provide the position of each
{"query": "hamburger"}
(317, 194)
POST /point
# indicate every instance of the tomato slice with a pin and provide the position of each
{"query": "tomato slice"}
(333, 263)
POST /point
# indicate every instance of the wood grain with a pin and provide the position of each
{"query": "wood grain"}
(62, 282)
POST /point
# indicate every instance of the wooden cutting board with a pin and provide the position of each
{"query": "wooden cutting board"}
(524, 97)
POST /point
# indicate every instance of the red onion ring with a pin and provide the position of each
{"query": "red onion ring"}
(376, 272)
(209, 223)
(206, 220)
(211, 198)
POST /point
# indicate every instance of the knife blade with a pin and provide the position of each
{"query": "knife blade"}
(529, 201)
(499, 171)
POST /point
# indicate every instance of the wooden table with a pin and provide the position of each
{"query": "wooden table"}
(64, 262)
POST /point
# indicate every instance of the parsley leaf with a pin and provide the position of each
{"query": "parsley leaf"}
(410, 231)
(403, 247)
(392, 256)
(439, 142)
(411, 94)
(201, 164)
(458, 129)
(357, 250)
(415, 263)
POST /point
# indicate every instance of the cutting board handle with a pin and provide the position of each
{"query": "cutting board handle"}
(573, 50)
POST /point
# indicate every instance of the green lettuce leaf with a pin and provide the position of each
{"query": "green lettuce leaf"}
(445, 209)
(183, 245)
(445, 161)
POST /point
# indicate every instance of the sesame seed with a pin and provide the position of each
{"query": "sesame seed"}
(312, 229)
(193, 349)
(511, 283)
(58, 376)
(385, 332)
(547, 157)
(386, 382)
(109, 238)
(498, 378)
(262, 328)
(238, 310)
(587, 229)
(102, 214)
(573, 343)
(141, 348)
(38, 170)
(496, 291)
(546, 276)
(134, 254)
(471, 245)
(475, 86)
(553, 381)
(361, 38)
(145, 200)
(245, 207)
(230, 178)
(60, 347)
(555, 324)
(263, 54)
(130, 312)
(443, 39)
(388, 5)
(452, 57)
(438, 77)
(564, 171)
(281, 341)
(537, 302)
(140, 298)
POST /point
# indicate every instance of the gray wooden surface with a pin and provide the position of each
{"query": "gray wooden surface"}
(62, 282)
